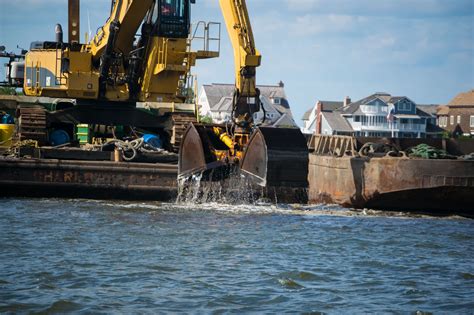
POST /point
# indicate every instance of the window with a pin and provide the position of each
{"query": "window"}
(458, 119)
(404, 106)
(276, 100)
(443, 121)
(369, 108)
(451, 120)
(357, 118)
(171, 18)
(471, 122)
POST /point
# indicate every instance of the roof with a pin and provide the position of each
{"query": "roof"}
(307, 114)
(427, 110)
(225, 104)
(443, 110)
(285, 121)
(331, 105)
(353, 107)
(327, 106)
(463, 99)
(337, 122)
(282, 109)
(395, 99)
(216, 91)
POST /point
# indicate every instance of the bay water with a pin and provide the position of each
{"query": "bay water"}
(85, 256)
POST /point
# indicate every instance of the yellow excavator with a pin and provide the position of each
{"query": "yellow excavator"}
(141, 54)
(274, 158)
(118, 68)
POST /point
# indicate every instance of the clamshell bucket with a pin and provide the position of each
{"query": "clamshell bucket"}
(277, 157)
(275, 162)
(196, 151)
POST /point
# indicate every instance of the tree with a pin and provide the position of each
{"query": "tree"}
(205, 119)
(4, 90)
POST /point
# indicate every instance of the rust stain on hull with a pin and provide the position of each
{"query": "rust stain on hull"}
(439, 186)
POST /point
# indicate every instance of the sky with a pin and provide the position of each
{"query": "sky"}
(320, 49)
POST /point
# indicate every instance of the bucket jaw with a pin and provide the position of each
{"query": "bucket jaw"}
(199, 150)
(276, 157)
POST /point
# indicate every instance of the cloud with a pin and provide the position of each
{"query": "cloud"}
(309, 24)
(398, 8)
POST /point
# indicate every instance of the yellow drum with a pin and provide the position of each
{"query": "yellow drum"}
(6, 134)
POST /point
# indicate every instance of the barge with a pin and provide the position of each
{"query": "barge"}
(38, 177)
(340, 173)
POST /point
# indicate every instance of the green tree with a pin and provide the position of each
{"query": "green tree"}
(205, 119)
(4, 90)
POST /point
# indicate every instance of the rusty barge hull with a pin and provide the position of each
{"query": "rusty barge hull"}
(399, 184)
(87, 179)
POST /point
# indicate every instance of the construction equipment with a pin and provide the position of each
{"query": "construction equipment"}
(118, 68)
(274, 158)
(14, 68)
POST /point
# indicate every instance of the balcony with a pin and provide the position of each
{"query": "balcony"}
(387, 127)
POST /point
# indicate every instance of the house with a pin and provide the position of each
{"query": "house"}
(458, 116)
(310, 117)
(215, 101)
(369, 117)
(429, 111)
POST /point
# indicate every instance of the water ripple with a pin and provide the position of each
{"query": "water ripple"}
(61, 256)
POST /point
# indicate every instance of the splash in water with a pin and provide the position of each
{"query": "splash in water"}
(235, 189)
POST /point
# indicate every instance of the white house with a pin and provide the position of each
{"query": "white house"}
(310, 117)
(215, 101)
(368, 117)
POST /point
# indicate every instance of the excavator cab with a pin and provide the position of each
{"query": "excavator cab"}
(173, 18)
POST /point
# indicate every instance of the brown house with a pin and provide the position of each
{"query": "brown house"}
(458, 116)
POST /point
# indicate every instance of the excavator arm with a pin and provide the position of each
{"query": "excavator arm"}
(273, 158)
(246, 58)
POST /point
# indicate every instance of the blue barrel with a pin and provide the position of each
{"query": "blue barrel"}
(58, 137)
(7, 119)
(153, 141)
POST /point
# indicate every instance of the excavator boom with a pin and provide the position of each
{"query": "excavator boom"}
(125, 19)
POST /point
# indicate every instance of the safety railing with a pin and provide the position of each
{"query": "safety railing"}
(205, 38)
(332, 145)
